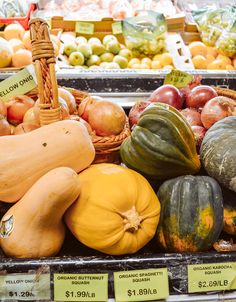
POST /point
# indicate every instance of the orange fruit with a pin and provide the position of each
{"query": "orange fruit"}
(136, 66)
(209, 58)
(26, 40)
(224, 59)
(13, 31)
(216, 64)
(229, 67)
(199, 62)
(21, 58)
(156, 65)
(212, 51)
(197, 48)
(157, 57)
(146, 61)
(170, 67)
(234, 62)
(166, 59)
(133, 61)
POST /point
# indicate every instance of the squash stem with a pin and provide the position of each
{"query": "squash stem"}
(132, 220)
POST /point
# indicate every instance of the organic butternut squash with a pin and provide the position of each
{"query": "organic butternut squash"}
(33, 227)
(25, 158)
(117, 211)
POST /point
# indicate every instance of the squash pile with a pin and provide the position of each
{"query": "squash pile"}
(50, 176)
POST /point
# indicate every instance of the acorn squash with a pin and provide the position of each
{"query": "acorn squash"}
(191, 213)
(162, 145)
(218, 152)
(117, 211)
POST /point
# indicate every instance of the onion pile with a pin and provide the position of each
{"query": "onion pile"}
(136, 111)
(17, 107)
(199, 96)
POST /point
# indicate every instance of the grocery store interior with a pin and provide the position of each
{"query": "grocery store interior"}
(118, 150)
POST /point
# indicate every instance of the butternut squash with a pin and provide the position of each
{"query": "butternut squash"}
(117, 211)
(33, 227)
(25, 158)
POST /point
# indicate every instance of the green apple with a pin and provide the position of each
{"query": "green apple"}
(94, 40)
(126, 53)
(104, 64)
(76, 58)
(93, 60)
(113, 47)
(97, 49)
(113, 65)
(85, 49)
(107, 57)
(69, 48)
(109, 38)
(81, 40)
(122, 61)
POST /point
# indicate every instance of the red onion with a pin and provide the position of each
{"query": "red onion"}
(199, 133)
(136, 111)
(192, 116)
(167, 94)
(217, 109)
(199, 95)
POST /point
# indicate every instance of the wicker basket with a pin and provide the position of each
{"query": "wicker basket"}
(226, 92)
(107, 148)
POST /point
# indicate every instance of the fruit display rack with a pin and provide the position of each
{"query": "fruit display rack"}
(124, 88)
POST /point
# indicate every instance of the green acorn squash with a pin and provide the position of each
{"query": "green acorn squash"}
(191, 213)
(162, 144)
(218, 152)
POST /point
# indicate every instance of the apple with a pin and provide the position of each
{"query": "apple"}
(109, 38)
(122, 61)
(94, 40)
(98, 49)
(107, 57)
(81, 40)
(113, 47)
(69, 48)
(85, 49)
(127, 53)
(93, 60)
(76, 58)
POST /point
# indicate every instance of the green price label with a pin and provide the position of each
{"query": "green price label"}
(141, 285)
(80, 287)
(20, 83)
(84, 28)
(211, 277)
(178, 78)
(27, 287)
(117, 28)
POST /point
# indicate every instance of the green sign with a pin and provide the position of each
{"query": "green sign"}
(141, 285)
(20, 83)
(178, 78)
(84, 28)
(27, 287)
(211, 277)
(80, 287)
(116, 28)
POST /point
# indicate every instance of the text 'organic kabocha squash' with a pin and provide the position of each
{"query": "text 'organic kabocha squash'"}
(33, 227)
(117, 211)
(218, 152)
(191, 213)
(25, 158)
(162, 144)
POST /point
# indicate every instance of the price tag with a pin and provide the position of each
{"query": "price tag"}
(211, 277)
(178, 78)
(84, 28)
(116, 28)
(141, 285)
(20, 83)
(80, 287)
(27, 287)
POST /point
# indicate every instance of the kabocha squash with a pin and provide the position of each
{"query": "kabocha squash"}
(191, 213)
(162, 144)
(218, 152)
(33, 227)
(229, 211)
(25, 158)
(117, 211)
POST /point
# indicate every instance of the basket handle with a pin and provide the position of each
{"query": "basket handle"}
(44, 57)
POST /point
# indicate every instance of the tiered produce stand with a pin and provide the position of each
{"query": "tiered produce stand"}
(80, 273)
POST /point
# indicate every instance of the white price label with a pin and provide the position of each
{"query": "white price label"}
(27, 287)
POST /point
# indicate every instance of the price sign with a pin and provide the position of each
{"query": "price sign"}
(22, 82)
(211, 277)
(84, 28)
(116, 28)
(141, 285)
(178, 78)
(81, 287)
(28, 287)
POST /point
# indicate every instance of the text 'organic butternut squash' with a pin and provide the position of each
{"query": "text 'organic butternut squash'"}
(117, 211)
(25, 158)
(33, 227)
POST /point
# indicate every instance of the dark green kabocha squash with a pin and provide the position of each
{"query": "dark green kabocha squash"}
(162, 144)
(218, 152)
(191, 213)
(229, 211)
